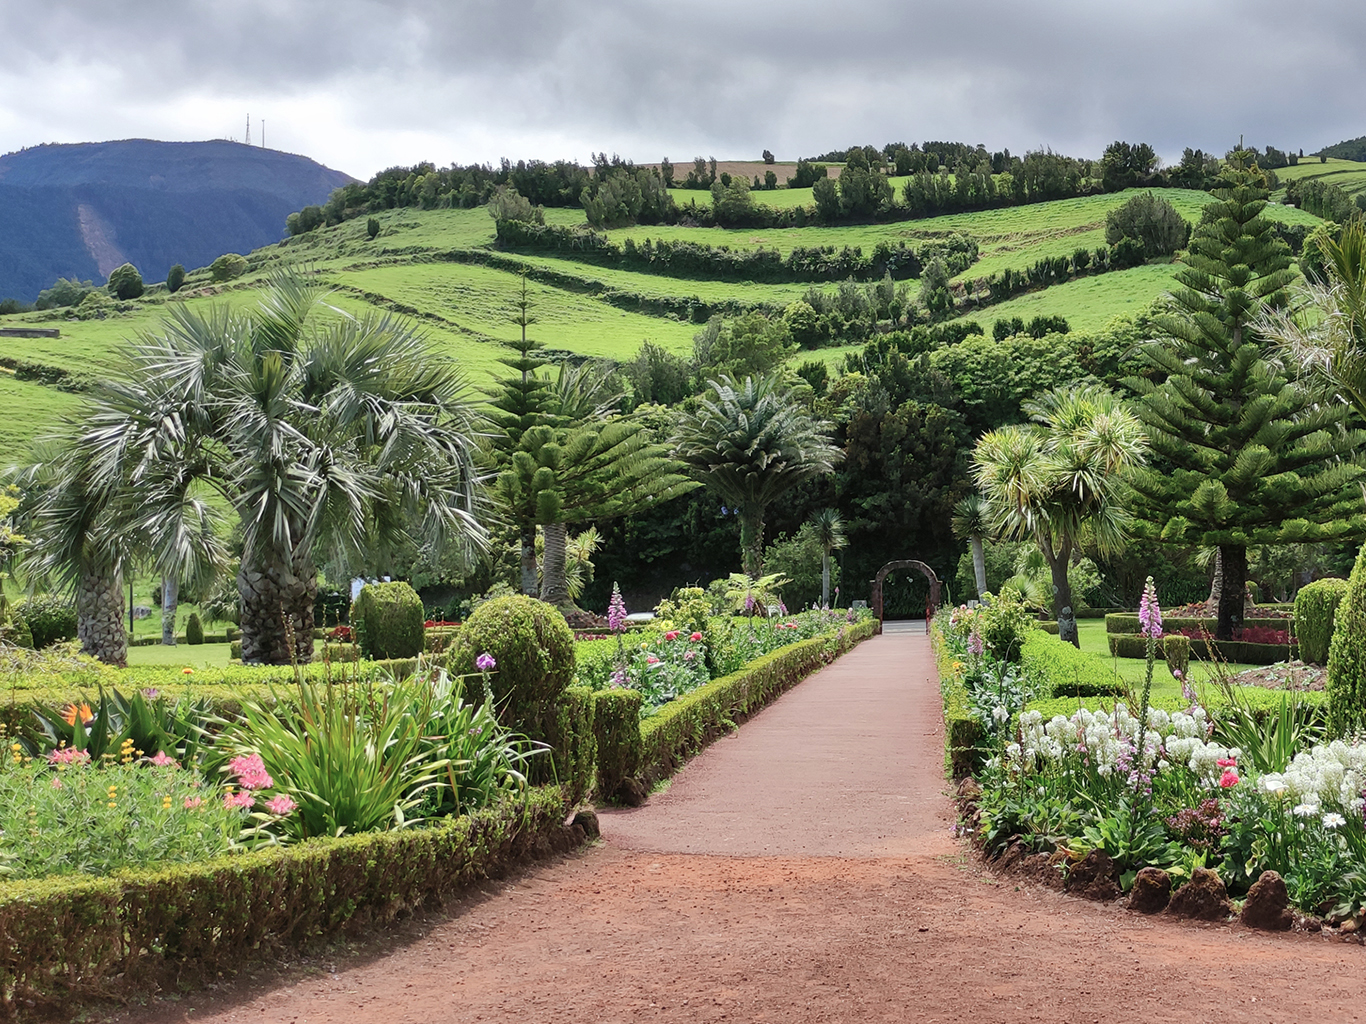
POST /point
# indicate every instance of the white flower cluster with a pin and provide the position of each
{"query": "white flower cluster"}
(1107, 741)
(1330, 773)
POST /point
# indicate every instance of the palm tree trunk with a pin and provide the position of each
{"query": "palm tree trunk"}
(752, 541)
(825, 579)
(1233, 591)
(277, 612)
(1062, 591)
(99, 616)
(170, 599)
(529, 587)
(979, 565)
(555, 566)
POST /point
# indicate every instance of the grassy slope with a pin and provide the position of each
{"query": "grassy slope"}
(464, 307)
(1347, 174)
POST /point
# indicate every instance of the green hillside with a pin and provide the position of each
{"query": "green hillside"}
(441, 266)
(1348, 175)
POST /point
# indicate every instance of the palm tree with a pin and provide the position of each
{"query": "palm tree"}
(752, 443)
(970, 523)
(324, 438)
(829, 530)
(1060, 476)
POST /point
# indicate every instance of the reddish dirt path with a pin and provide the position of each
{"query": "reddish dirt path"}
(801, 870)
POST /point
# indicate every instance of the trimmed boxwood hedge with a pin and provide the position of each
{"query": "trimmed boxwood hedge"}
(684, 726)
(388, 618)
(64, 940)
(1237, 651)
(962, 732)
(1127, 622)
(1316, 607)
(1262, 702)
(616, 723)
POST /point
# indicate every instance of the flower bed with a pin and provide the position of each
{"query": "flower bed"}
(1213, 790)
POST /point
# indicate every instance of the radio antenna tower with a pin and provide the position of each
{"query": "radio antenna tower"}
(248, 129)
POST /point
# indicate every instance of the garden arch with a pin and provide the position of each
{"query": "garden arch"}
(909, 563)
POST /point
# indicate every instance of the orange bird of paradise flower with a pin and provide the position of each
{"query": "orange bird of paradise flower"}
(87, 716)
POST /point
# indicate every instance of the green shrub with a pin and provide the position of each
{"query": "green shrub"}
(372, 227)
(1005, 624)
(14, 630)
(1316, 606)
(573, 744)
(962, 731)
(175, 278)
(1067, 671)
(228, 267)
(387, 618)
(125, 282)
(1261, 701)
(1346, 683)
(194, 629)
(1177, 650)
(616, 723)
(51, 619)
(1127, 622)
(533, 649)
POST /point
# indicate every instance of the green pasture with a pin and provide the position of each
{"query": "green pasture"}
(1348, 175)
(1088, 303)
(27, 409)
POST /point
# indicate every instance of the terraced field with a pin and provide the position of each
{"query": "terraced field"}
(440, 266)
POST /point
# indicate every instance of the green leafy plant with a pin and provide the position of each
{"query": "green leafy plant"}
(1316, 607)
(388, 620)
(194, 629)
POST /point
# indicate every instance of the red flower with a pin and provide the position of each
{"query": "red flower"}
(1228, 762)
(650, 659)
(695, 637)
(671, 635)
(1229, 778)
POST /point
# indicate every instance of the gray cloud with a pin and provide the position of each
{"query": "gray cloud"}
(362, 84)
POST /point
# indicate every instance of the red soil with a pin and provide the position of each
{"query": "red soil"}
(802, 869)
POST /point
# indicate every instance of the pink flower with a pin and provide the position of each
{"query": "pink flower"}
(671, 635)
(689, 655)
(56, 782)
(616, 611)
(650, 659)
(485, 662)
(1229, 778)
(193, 803)
(280, 805)
(1149, 612)
(161, 760)
(695, 637)
(242, 799)
(68, 755)
(251, 771)
(1227, 762)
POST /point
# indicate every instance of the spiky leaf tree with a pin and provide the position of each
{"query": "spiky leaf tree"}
(323, 439)
(1058, 480)
(752, 443)
(1244, 456)
(970, 523)
(828, 527)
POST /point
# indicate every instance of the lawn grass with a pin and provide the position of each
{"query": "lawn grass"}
(1091, 633)
(1088, 303)
(181, 656)
(1349, 175)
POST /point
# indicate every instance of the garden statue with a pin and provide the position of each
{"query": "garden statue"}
(1067, 625)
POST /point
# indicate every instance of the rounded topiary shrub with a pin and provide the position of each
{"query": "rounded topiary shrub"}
(1316, 607)
(1346, 683)
(50, 619)
(387, 619)
(1177, 651)
(194, 629)
(533, 650)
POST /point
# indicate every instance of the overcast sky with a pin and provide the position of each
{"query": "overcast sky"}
(363, 84)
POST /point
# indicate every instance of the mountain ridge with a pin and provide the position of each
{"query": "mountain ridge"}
(80, 209)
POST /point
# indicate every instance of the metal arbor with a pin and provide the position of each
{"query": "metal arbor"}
(931, 606)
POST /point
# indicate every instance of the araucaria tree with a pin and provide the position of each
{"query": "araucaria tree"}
(1059, 480)
(324, 437)
(1244, 456)
(752, 443)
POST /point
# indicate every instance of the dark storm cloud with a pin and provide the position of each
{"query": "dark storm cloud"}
(366, 83)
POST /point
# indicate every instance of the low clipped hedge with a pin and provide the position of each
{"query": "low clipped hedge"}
(573, 741)
(616, 725)
(962, 732)
(70, 939)
(1071, 673)
(1237, 651)
(684, 726)
(1127, 622)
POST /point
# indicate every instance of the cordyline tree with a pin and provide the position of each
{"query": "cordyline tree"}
(324, 438)
(1244, 456)
(752, 443)
(1059, 480)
